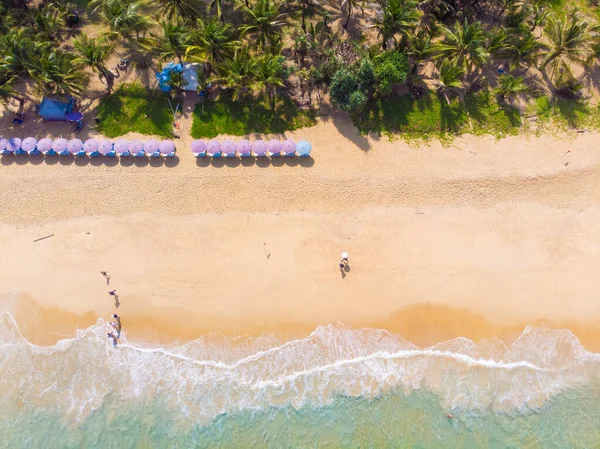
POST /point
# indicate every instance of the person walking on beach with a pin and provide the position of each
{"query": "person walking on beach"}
(116, 324)
(114, 338)
(106, 276)
(113, 293)
(345, 258)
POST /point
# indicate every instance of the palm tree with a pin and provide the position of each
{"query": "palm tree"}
(124, 17)
(211, 42)
(398, 17)
(569, 42)
(449, 77)
(19, 51)
(172, 9)
(509, 87)
(464, 45)
(8, 92)
(59, 73)
(433, 11)
(522, 50)
(265, 21)
(172, 42)
(48, 21)
(419, 48)
(7, 21)
(95, 53)
(238, 72)
(269, 75)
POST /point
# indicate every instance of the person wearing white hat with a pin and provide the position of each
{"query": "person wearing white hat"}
(345, 258)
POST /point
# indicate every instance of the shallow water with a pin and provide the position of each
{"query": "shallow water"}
(339, 387)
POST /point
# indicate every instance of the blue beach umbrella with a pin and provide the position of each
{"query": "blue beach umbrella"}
(303, 148)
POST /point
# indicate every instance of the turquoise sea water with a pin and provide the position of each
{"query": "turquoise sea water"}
(339, 387)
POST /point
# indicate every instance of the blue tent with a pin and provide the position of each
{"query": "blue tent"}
(55, 110)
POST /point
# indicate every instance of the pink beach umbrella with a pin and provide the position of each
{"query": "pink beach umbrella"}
(28, 144)
(151, 147)
(14, 145)
(259, 148)
(213, 148)
(136, 147)
(105, 147)
(166, 147)
(90, 146)
(3, 145)
(274, 147)
(122, 147)
(244, 148)
(289, 148)
(228, 148)
(75, 146)
(199, 148)
(44, 145)
(60, 145)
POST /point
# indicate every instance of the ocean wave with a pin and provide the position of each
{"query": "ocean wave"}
(215, 374)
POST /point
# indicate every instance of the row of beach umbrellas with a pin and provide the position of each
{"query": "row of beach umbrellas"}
(245, 148)
(90, 147)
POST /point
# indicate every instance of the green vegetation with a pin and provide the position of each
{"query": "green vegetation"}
(467, 65)
(133, 108)
(247, 115)
(431, 116)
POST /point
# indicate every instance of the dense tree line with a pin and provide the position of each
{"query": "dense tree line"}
(256, 45)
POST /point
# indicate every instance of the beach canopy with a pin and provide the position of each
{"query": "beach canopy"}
(259, 148)
(75, 146)
(289, 147)
(136, 147)
(44, 145)
(105, 147)
(213, 147)
(150, 146)
(198, 147)
(28, 144)
(244, 147)
(90, 146)
(14, 144)
(51, 109)
(274, 147)
(121, 147)
(166, 147)
(60, 145)
(303, 148)
(228, 148)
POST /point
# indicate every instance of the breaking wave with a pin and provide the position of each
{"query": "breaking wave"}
(214, 374)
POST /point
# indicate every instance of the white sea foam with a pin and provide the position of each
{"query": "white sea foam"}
(215, 374)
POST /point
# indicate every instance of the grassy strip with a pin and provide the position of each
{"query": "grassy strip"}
(432, 117)
(247, 115)
(562, 114)
(133, 108)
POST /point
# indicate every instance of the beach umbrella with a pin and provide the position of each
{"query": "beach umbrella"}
(213, 148)
(199, 148)
(122, 147)
(105, 147)
(228, 148)
(274, 147)
(75, 146)
(91, 146)
(244, 147)
(303, 148)
(28, 144)
(44, 145)
(3, 146)
(259, 148)
(289, 148)
(136, 147)
(60, 145)
(151, 147)
(166, 147)
(14, 146)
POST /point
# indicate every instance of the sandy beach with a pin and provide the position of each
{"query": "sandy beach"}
(477, 239)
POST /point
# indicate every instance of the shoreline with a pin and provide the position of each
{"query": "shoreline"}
(505, 230)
